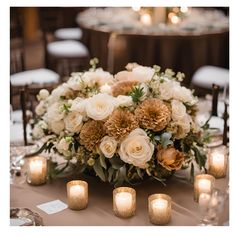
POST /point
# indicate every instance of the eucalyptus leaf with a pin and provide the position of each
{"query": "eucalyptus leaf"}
(110, 174)
(192, 173)
(98, 170)
(102, 161)
(116, 162)
(139, 173)
(160, 180)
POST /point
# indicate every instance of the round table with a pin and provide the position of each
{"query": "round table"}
(185, 51)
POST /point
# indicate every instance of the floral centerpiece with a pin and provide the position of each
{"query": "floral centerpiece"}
(138, 123)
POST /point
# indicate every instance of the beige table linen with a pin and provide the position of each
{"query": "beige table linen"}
(185, 211)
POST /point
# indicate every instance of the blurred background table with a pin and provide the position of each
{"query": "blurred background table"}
(198, 37)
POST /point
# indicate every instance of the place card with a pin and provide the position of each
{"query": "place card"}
(53, 207)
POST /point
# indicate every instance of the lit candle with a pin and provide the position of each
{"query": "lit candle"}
(204, 199)
(124, 202)
(77, 194)
(37, 170)
(174, 19)
(217, 162)
(159, 208)
(105, 89)
(146, 19)
(203, 184)
(184, 9)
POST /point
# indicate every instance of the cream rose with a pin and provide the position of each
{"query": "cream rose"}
(54, 112)
(99, 76)
(166, 89)
(75, 82)
(40, 108)
(142, 73)
(183, 94)
(37, 132)
(124, 101)
(136, 148)
(63, 147)
(57, 126)
(108, 146)
(73, 122)
(100, 106)
(178, 110)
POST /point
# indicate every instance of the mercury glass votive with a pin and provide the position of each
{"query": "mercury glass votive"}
(37, 170)
(77, 194)
(124, 202)
(203, 183)
(159, 209)
(218, 161)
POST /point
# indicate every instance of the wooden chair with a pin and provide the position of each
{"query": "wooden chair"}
(28, 99)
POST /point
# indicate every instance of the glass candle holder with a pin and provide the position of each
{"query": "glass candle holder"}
(218, 161)
(77, 194)
(124, 202)
(37, 170)
(203, 183)
(159, 209)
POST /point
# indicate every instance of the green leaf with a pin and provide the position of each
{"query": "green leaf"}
(136, 94)
(199, 157)
(139, 173)
(116, 162)
(102, 161)
(98, 170)
(165, 139)
(110, 174)
(192, 173)
(160, 180)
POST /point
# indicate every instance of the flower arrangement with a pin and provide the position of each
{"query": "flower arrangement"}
(138, 123)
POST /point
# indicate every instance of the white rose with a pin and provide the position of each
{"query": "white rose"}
(183, 94)
(142, 73)
(75, 82)
(63, 147)
(99, 76)
(166, 90)
(100, 106)
(54, 112)
(37, 132)
(108, 146)
(136, 148)
(79, 105)
(60, 91)
(57, 126)
(40, 108)
(73, 121)
(178, 110)
(43, 94)
(124, 101)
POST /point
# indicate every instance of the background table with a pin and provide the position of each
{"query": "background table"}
(185, 211)
(184, 53)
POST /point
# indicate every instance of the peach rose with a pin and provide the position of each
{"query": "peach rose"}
(170, 158)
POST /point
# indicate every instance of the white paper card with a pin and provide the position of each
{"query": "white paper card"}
(16, 222)
(52, 207)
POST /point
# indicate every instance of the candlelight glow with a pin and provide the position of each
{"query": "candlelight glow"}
(184, 9)
(136, 8)
(146, 19)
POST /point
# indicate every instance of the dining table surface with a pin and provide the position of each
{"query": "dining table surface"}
(99, 212)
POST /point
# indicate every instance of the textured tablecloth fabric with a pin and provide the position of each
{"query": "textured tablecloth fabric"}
(185, 212)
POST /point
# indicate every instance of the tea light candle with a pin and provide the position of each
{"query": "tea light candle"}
(77, 194)
(37, 170)
(203, 183)
(204, 199)
(217, 162)
(146, 19)
(105, 89)
(159, 208)
(124, 202)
